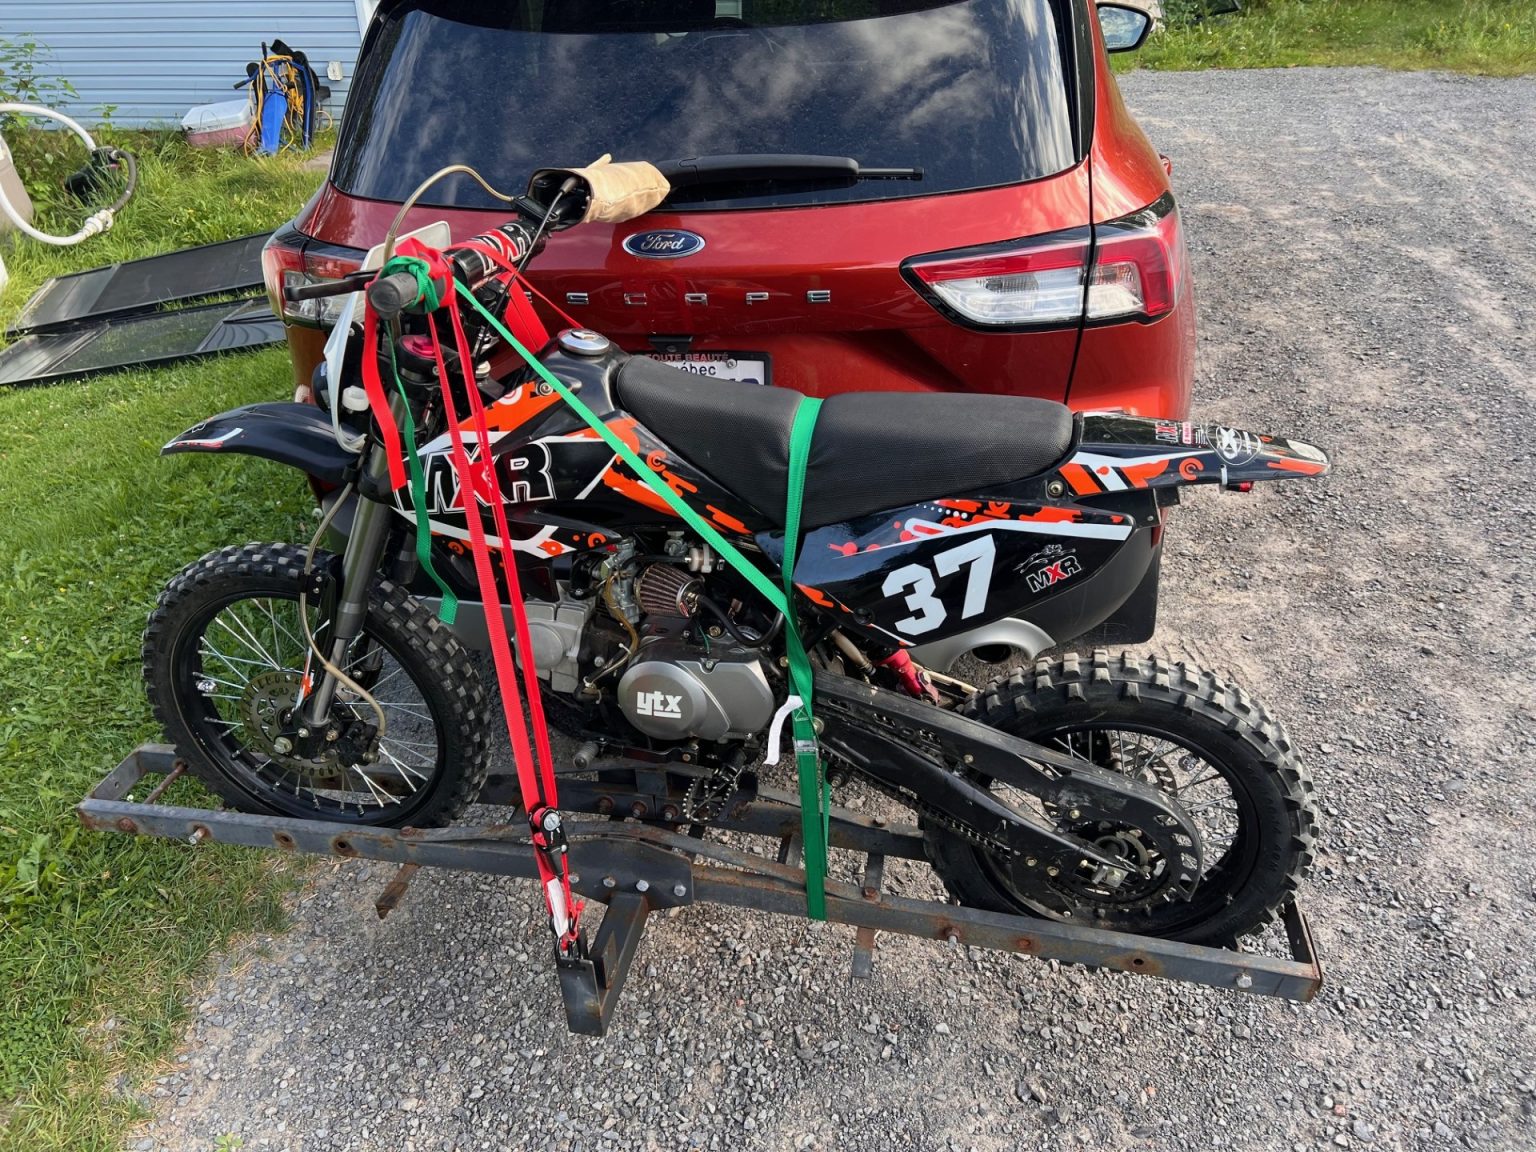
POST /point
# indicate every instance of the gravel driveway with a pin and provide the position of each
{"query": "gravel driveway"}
(1365, 249)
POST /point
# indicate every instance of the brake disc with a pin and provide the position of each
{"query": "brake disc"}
(264, 706)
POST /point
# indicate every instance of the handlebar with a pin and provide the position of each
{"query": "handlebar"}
(472, 265)
(392, 295)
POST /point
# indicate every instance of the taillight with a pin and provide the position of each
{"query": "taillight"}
(1049, 282)
(1035, 283)
(1138, 261)
(291, 258)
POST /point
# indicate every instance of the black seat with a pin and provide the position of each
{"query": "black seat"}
(871, 451)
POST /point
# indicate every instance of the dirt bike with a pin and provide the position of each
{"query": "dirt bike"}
(1124, 793)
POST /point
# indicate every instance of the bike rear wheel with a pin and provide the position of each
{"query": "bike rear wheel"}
(1210, 745)
(225, 662)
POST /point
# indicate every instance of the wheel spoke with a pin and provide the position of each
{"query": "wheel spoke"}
(1211, 805)
(206, 675)
(405, 772)
(207, 649)
(248, 640)
(380, 797)
(412, 743)
(400, 706)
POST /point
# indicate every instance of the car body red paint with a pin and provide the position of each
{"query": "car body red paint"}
(877, 332)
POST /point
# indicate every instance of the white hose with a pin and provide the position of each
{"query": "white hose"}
(98, 222)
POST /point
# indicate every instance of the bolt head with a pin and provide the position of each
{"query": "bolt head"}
(1030, 861)
(642, 885)
(679, 890)
(1053, 871)
(1244, 980)
(282, 745)
(610, 882)
(1074, 814)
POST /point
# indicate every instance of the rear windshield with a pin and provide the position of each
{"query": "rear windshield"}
(973, 93)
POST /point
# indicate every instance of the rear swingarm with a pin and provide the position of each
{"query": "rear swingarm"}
(940, 761)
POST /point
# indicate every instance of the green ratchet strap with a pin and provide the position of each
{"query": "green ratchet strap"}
(814, 814)
(449, 609)
(426, 287)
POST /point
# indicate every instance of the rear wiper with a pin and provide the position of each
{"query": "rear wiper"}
(752, 168)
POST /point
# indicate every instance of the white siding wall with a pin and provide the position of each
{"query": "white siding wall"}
(153, 60)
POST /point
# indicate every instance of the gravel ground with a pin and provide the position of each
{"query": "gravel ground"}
(1367, 272)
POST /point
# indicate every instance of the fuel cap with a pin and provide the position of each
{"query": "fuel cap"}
(584, 342)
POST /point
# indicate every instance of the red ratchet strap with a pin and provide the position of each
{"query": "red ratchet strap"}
(379, 403)
(478, 485)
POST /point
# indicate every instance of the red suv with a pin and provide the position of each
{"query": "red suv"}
(870, 194)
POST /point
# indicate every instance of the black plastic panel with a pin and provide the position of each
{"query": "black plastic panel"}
(130, 341)
(142, 285)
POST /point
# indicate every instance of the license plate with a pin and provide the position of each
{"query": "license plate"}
(749, 367)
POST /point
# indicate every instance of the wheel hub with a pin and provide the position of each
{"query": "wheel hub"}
(266, 708)
(1141, 876)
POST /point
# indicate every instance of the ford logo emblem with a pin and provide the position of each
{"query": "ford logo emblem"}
(664, 244)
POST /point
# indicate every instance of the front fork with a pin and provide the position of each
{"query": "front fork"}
(359, 561)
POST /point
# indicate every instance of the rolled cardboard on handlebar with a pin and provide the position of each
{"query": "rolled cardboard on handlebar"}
(615, 192)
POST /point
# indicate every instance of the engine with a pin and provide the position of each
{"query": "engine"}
(679, 684)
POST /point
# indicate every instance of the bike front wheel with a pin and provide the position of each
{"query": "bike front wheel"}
(225, 665)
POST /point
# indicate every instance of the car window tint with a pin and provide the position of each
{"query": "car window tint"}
(973, 93)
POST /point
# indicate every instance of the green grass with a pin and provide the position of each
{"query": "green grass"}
(100, 935)
(1484, 37)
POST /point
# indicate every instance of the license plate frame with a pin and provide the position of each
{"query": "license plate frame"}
(750, 367)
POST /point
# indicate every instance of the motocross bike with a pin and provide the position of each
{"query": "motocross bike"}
(1125, 793)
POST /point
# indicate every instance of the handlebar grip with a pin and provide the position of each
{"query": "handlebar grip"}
(392, 295)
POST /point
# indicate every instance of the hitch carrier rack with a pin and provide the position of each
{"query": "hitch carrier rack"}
(636, 869)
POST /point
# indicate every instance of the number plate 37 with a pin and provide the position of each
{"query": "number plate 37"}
(916, 584)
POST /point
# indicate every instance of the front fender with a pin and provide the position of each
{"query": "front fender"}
(298, 435)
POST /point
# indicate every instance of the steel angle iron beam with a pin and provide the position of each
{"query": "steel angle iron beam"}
(636, 869)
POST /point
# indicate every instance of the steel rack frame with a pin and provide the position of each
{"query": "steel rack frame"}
(636, 868)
